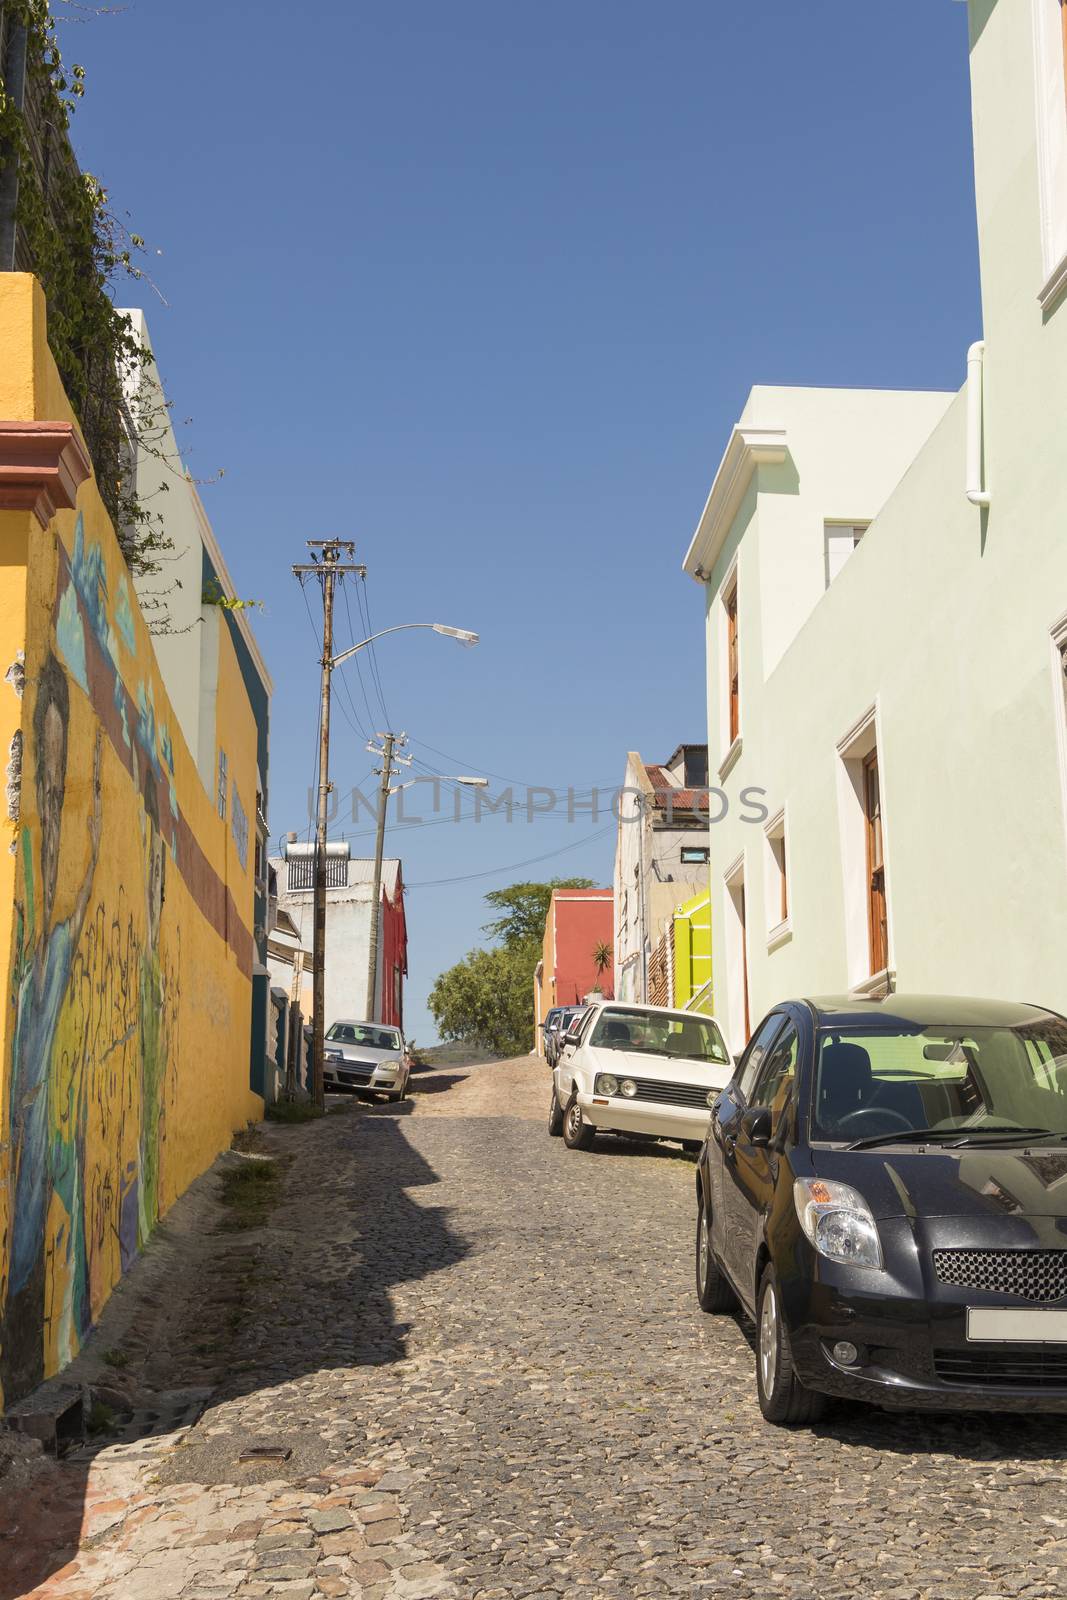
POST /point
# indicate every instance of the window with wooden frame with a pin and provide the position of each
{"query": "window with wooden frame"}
(776, 879)
(877, 916)
(733, 675)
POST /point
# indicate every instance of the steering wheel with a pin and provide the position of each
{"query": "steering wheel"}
(889, 1120)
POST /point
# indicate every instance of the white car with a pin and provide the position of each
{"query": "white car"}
(642, 1071)
(370, 1056)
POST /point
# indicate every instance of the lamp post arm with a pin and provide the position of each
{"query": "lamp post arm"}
(398, 628)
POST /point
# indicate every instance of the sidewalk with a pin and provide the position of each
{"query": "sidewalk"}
(275, 1490)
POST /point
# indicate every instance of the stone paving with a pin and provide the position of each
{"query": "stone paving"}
(483, 1356)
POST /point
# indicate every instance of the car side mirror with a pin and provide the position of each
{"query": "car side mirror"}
(756, 1126)
(737, 1058)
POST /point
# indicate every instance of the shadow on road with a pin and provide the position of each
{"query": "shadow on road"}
(346, 1231)
(619, 1145)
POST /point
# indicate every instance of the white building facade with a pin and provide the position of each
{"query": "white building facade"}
(661, 856)
(349, 886)
(885, 582)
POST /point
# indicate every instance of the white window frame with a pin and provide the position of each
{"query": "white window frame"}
(864, 736)
(729, 750)
(836, 526)
(775, 873)
(1050, 101)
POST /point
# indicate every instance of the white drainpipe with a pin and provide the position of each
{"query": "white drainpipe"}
(976, 494)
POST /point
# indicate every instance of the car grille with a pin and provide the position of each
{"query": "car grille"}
(1006, 1368)
(1027, 1274)
(673, 1094)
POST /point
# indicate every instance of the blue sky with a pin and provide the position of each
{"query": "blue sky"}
(483, 287)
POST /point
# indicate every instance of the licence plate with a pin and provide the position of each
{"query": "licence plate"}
(1016, 1327)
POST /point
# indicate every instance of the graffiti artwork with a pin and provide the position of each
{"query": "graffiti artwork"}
(94, 991)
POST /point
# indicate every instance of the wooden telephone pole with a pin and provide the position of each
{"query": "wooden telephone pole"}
(328, 568)
(390, 741)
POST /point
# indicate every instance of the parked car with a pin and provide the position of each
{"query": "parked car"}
(883, 1189)
(641, 1071)
(366, 1056)
(557, 1022)
(549, 1029)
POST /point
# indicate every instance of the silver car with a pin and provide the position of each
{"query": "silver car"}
(367, 1056)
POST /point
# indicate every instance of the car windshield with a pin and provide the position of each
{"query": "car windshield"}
(660, 1033)
(363, 1034)
(972, 1082)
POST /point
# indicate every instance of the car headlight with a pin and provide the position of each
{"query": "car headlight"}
(628, 1088)
(838, 1222)
(389, 1066)
(606, 1083)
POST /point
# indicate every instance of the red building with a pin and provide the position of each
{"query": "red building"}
(393, 956)
(578, 922)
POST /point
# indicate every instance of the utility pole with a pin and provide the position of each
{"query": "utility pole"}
(327, 568)
(389, 744)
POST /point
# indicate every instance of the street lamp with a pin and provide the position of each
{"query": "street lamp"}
(437, 777)
(463, 635)
(329, 661)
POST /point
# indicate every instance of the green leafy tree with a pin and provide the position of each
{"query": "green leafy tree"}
(487, 998)
(523, 908)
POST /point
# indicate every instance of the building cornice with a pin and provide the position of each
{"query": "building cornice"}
(42, 467)
(748, 448)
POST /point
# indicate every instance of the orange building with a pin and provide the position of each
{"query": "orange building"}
(578, 922)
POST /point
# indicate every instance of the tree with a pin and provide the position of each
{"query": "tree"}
(523, 908)
(487, 998)
(602, 958)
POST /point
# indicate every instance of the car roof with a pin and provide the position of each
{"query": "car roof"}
(667, 1011)
(361, 1022)
(923, 1010)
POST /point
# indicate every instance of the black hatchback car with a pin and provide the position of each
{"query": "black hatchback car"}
(883, 1187)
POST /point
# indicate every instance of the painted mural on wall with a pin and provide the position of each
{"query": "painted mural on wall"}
(95, 980)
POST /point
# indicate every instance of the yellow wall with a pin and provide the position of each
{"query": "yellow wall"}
(692, 955)
(545, 991)
(126, 942)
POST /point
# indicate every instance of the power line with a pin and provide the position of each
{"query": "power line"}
(356, 726)
(607, 786)
(357, 662)
(511, 866)
(363, 597)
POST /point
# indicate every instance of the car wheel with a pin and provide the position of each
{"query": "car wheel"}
(396, 1095)
(692, 1147)
(577, 1133)
(782, 1397)
(713, 1291)
(555, 1116)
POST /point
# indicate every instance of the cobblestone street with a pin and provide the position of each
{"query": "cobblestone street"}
(484, 1354)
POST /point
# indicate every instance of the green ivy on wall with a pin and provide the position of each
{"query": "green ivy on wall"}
(77, 250)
